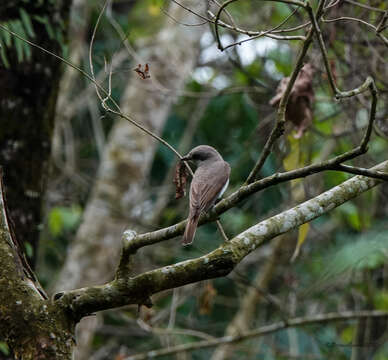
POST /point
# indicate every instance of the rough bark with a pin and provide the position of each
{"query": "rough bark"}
(124, 289)
(34, 327)
(118, 194)
(28, 93)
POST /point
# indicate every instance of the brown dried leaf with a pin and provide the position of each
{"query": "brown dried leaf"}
(206, 299)
(144, 74)
(300, 103)
(120, 357)
(180, 179)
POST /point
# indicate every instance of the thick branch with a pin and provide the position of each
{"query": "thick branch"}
(246, 190)
(137, 290)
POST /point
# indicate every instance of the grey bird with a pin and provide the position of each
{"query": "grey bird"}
(209, 182)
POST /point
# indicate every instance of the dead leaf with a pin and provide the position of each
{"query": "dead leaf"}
(206, 299)
(143, 73)
(300, 103)
(120, 357)
(180, 179)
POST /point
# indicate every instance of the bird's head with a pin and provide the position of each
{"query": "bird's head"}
(202, 153)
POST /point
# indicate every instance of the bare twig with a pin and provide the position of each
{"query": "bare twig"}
(248, 32)
(361, 171)
(263, 33)
(262, 331)
(222, 7)
(365, 6)
(381, 26)
(277, 178)
(173, 331)
(91, 50)
(348, 18)
(105, 92)
(221, 229)
(278, 129)
(227, 13)
(165, 12)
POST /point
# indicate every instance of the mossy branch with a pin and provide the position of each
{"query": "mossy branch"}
(126, 290)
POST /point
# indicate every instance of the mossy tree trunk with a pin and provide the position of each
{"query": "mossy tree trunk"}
(29, 80)
(33, 326)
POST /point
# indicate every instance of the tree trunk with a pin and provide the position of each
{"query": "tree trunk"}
(33, 326)
(29, 80)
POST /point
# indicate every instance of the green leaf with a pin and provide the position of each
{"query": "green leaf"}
(351, 214)
(49, 29)
(380, 300)
(302, 234)
(347, 334)
(7, 38)
(4, 348)
(64, 219)
(367, 251)
(29, 249)
(3, 55)
(27, 22)
(45, 21)
(55, 222)
(17, 27)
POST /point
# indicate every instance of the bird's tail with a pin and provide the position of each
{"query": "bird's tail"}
(191, 227)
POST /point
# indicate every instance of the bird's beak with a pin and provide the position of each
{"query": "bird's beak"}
(186, 158)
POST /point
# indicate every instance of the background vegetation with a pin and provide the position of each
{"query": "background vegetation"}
(224, 102)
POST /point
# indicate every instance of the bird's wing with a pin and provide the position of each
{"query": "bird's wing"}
(206, 185)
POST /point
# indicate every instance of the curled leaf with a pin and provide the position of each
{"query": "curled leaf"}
(180, 179)
(206, 299)
(300, 103)
(144, 73)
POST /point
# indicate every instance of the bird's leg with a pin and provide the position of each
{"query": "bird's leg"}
(220, 228)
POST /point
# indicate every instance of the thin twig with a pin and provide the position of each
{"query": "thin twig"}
(361, 171)
(221, 229)
(165, 12)
(125, 289)
(141, 127)
(364, 6)
(248, 189)
(247, 32)
(261, 331)
(322, 46)
(278, 129)
(348, 18)
(105, 92)
(227, 14)
(381, 25)
(173, 331)
(260, 33)
(222, 7)
(264, 33)
(91, 50)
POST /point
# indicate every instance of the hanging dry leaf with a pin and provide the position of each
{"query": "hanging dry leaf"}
(180, 179)
(206, 299)
(300, 103)
(143, 73)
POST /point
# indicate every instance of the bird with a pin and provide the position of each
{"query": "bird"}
(210, 180)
